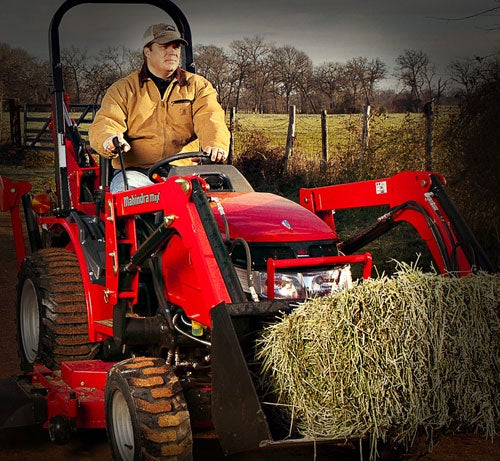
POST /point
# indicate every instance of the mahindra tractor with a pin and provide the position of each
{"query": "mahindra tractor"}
(138, 311)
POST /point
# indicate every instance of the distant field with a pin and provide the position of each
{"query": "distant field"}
(396, 140)
(343, 130)
(396, 143)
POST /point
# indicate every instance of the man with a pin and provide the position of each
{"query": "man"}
(158, 111)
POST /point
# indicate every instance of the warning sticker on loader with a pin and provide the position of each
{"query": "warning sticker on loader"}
(381, 187)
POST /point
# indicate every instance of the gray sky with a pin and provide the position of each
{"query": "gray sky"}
(326, 30)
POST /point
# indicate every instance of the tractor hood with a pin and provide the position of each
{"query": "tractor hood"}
(264, 217)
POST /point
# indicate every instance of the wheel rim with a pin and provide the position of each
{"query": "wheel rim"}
(122, 427)
(29, 321)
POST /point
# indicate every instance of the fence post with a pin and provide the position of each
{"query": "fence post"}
(324, 137)
(429, 127)
(230, 154)
(15, 122)
(290, 137)
(365, 135)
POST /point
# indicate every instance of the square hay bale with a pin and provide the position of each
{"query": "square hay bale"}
(389, 358)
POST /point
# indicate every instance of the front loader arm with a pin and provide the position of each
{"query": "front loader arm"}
(196, 268)
(418, 198)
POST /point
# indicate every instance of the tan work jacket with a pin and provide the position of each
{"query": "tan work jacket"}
(158, 127)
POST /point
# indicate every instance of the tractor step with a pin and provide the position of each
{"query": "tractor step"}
(106, 323)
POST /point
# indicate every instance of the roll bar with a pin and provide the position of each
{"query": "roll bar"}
(57, 89)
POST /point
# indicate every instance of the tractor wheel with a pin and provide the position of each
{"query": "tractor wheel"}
(146, 413)
(51, 310)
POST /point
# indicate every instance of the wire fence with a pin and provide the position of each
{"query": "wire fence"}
(342, 131)
(317, 137)
(329, 136)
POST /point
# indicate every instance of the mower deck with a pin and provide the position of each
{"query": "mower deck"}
(76, 392)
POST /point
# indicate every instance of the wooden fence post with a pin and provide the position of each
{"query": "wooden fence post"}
(15, 122)
(290, 137)
(324, 137)
(230, 155)
(365, 135)
(429, 127)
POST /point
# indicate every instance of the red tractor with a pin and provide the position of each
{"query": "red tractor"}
(137, 311)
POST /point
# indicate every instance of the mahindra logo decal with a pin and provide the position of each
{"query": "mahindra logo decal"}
(136, 199)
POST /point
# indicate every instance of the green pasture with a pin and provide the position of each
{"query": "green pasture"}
(396, 143)
(389, 134)
(343, 130)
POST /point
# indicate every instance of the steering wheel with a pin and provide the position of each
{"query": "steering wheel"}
(163, 166)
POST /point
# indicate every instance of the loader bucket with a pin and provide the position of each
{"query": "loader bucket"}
(238, 416)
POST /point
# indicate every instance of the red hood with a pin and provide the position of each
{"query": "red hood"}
(263, 217)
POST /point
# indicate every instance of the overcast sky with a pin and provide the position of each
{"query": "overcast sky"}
(326, 30)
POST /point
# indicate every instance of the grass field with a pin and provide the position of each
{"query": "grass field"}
(343, 131)
(396, 143)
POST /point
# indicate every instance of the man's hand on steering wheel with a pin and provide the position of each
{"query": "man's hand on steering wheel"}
(163, 166)
(216, 154)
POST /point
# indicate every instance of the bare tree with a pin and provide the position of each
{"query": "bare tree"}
(22, 76)
(240, 63)
(75, 62)
(465, 75)
(121, 60)
(36, 81)
(361, 76)
(327, 78)
(416, 73)
(469, 74)
(251, 58)
(375, 71)
(109, 65)
(213, 63)
(292, 68)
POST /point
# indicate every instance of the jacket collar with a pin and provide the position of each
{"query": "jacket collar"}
(180, 75)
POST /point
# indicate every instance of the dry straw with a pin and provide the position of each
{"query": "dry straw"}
(390, 358)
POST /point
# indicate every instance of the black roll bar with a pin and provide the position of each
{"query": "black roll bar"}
(57, 89)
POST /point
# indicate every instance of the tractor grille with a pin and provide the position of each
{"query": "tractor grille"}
(260, 252)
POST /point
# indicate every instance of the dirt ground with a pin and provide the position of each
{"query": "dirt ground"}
(33, 443)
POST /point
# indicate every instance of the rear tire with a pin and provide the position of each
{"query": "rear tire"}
(146, 413)
(52, 325)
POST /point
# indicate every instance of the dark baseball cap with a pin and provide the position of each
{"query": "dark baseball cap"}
(162, 34)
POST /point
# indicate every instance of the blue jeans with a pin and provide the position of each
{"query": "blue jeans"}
(135, 179)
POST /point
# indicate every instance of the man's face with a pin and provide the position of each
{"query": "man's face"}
(163, 60)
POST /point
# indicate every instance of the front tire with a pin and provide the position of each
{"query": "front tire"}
(146, 413)
(52, 325)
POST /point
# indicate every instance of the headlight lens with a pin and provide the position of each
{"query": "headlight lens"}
(299, 285)
(286, 286)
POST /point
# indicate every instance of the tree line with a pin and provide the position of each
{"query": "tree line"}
(253, 75)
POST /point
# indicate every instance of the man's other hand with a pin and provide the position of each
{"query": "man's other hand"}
(109, 147)
(216, 154)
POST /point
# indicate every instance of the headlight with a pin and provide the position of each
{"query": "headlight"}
(286, 286)
(293, 285)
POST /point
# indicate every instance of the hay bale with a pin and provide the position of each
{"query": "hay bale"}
(390, 357)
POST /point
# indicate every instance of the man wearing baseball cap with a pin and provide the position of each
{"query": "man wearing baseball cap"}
(158, 111)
